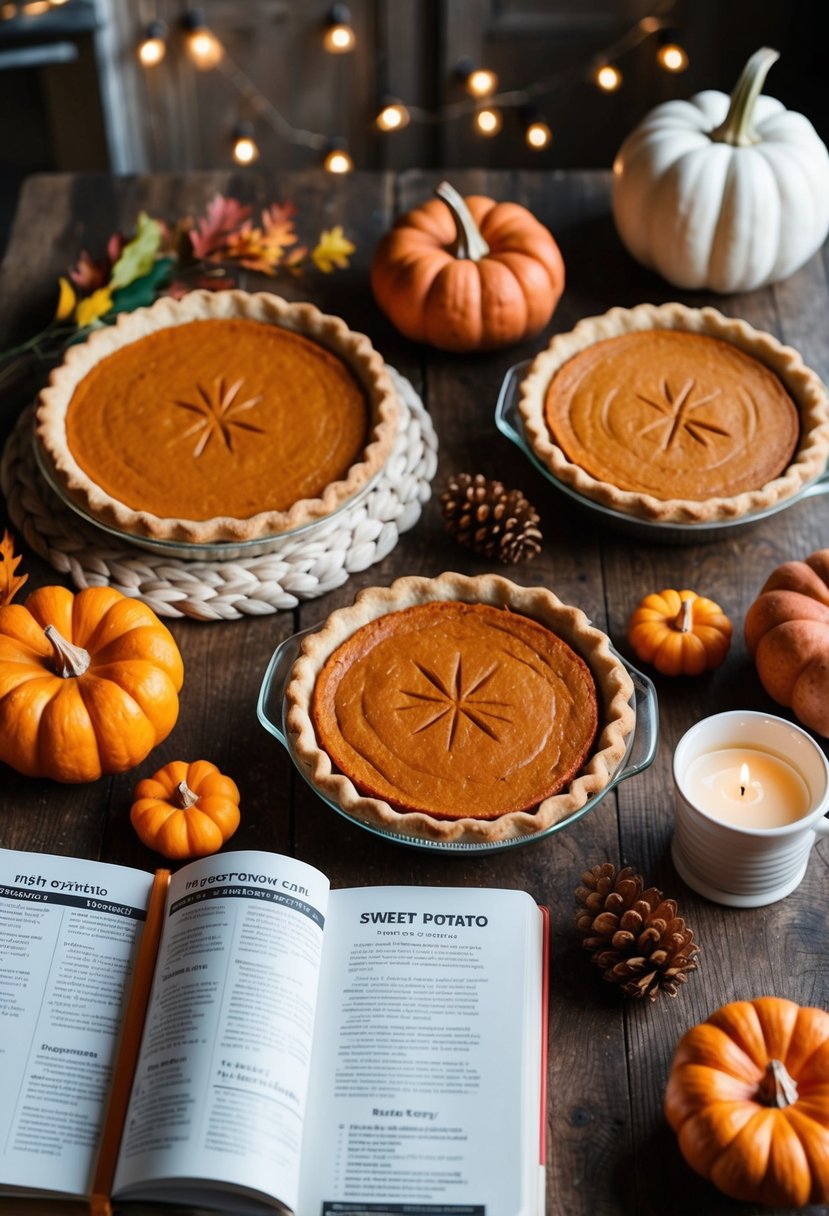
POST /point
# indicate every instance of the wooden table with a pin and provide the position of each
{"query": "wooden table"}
(610, 1150)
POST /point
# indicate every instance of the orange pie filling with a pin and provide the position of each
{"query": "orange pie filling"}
(218, 417)
(672, 414)
(457, 710)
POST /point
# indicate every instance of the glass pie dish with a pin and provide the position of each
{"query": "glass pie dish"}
(642, 743)
(510, 423)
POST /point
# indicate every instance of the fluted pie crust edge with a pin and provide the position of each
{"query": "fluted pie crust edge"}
(614, 690)
(355, 349)
(803, 385)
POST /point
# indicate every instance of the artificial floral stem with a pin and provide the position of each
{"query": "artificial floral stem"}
(468, 242)
(738, 129)
(685, 618)
(777, 1087)
(183, 796)
(72, 660)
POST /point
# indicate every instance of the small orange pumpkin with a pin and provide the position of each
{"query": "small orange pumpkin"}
(787, 633)
(89, 683)
(679, 632)
(185, 809)
(467, 274)
(748, 1096)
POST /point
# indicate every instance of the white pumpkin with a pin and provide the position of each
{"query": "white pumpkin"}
(723, 193)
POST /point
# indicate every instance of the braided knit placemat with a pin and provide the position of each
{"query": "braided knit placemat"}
(291, 570)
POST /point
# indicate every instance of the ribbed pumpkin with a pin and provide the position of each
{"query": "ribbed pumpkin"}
(185, 809)
(787, 633)
(679, 632)
(88, 683)
(467, 274)
(748, 1096)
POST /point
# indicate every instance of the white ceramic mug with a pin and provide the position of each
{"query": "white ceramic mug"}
(747, 866)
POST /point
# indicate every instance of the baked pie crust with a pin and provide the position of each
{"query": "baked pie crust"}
(672, 404)
(345, 384)
(613, 688)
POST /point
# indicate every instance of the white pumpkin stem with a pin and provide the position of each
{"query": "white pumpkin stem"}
(71, 661)
(684, 619)
(468, 241)
(183, 796)
(738, 127)
(777, 1087)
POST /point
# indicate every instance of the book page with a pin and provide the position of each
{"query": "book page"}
(425, 1090)
(220, 1089)
(69, 931)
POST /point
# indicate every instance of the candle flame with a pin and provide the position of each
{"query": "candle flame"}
(745, 778)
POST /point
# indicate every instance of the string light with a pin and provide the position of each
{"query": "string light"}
(245, 147)
(202, 45)
(393, 115)
(338, 158)
(153, 46)
(537, 133)
(478, 82)
(339, 36)
(670, 55)
(488, 121)
(608, 77)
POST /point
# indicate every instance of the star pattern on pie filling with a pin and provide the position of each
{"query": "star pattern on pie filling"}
(677, 414)
(454, 699)
(218, 408)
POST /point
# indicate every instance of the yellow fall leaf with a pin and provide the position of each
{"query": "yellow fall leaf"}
(10, 583)
(66, 300)
(92, 307)
(333, 249)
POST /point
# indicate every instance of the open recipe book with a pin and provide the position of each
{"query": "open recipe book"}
(241, 1038)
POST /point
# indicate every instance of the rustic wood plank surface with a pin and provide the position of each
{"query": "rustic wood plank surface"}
(610, 1150)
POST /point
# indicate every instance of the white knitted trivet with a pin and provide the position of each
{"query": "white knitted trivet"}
(293, 569)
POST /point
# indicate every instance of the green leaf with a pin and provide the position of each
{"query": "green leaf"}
(142, 292)
(138, 256)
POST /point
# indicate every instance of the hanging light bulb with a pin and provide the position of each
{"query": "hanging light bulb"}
(338, 158)
(608, 77)
(537, 133)
(478, 82)
(34, 8)
(670, 55)
(153, 46)
(245, 147)
(7, 11)
(339, 36)
(393, 115)
(202, 45)
(488, 121)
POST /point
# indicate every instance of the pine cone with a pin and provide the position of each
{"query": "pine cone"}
(634, 935)
(489, 520)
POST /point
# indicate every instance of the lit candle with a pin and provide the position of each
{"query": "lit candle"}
(748, 788)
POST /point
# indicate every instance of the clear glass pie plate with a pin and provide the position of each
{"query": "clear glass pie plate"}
(509, 422)
(641, 749)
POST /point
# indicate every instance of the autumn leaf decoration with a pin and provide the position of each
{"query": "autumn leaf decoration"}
(10, 583)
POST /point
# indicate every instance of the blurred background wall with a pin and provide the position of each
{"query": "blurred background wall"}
(79, 90)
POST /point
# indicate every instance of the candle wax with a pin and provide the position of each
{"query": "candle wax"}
(775, 795)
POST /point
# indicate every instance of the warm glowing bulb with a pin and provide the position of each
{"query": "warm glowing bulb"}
(204, 49)
(151, 51)
(7, 11)
(608, 78)
(338, 161)
(339, 39)
(488, 122)
(538, 134)
(672, 57)
(245, 151)
(481, 82)
(393, 117)
(35, 7)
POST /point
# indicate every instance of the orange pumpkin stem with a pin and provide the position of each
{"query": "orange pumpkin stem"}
(777, 1087)
(183, 796)
(685, 618)
(468, 240)
(70, 661)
